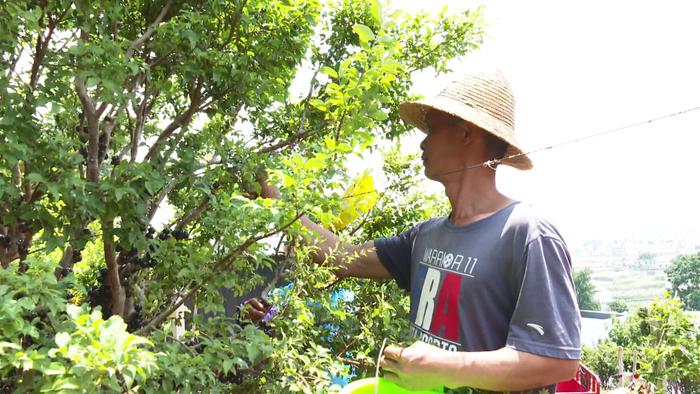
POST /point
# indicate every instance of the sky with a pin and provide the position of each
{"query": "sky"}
(579, 68)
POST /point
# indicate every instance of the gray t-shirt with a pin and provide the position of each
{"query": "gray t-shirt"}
(505, 280)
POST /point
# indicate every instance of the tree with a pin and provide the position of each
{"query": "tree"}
(684, 275)
(109, 109)
(585, 290)
(661, 340)
(618, 305)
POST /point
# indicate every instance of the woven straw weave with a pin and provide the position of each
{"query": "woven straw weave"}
(481, 96)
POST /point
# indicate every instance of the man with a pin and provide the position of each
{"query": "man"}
(492, 294)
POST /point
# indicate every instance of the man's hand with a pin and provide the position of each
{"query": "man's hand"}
(255, 309)
(416, 367)
(423, 366)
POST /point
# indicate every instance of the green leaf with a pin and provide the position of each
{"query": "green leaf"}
(329, 71)
(62, 339)
(119, 193)
(54, 369)
(320, 104)
(9, 345)
(376, 10)
(253, 352)
(35, 177)
(315, 163)
(152, 186)
(226, 365)
(379, 115)
(73, 311)
(364, 32)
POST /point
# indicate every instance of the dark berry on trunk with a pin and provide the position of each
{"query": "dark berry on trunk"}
(180, 235)
(24, 226)
(77, 256)
(165, 234)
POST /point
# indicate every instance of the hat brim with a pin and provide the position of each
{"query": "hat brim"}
(414, 112)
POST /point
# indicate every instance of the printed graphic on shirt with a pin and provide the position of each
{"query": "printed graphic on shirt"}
(439, 281)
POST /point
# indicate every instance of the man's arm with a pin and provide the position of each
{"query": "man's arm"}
(422, 366)
(359, 261)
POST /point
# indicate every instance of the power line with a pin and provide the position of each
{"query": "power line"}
(493, 163)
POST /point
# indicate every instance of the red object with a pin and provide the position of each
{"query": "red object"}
(585, 382)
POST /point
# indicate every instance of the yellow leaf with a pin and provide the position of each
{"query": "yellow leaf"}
(358, 199)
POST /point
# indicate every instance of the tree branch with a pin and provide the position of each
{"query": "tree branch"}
(194, 214)
(13, 62)
(222, 265)
(93, 167)
(300, 132)
(355, 363)
(137, 131)
(234, 24)
(161, 196)
(117, 291)
(289, 141)
(149, 32)
(26, 185)
(180, 121)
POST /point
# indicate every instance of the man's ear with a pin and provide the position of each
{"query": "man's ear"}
(467, 134)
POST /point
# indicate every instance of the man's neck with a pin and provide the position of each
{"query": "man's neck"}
(474, 196)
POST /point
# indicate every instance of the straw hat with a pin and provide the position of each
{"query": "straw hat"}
(481, 96)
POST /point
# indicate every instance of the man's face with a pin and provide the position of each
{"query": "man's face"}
(444, 146)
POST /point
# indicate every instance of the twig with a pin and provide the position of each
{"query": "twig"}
(300, 133)
(219, 266)
(180, 121)
(234, 24)
(194, 214)
(13, 63)
(149, 32)
(137, 131)
(347, 347)
(356, 363)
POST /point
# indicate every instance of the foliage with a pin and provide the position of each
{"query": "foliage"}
(603, 360)
(618, 305)
(663, 342)
(53, 346)
(110, 109)
(585, 290)
(684, 275)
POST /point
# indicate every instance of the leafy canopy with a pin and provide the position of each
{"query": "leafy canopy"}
(109, 109)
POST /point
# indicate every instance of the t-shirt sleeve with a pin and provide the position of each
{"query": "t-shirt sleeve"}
(546, 320)
(395, 255)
